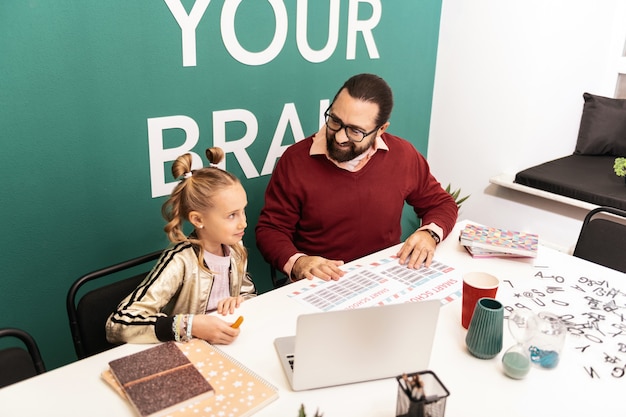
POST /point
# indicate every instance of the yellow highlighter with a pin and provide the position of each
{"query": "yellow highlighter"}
(237, 322)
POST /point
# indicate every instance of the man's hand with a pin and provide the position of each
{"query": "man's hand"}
(418, 249)
(316, 266)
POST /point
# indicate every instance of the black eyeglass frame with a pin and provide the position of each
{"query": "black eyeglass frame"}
(346, 127)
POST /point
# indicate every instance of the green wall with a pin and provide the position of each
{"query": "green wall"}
(85, 84)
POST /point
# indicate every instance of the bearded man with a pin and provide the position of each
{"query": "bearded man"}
(338, 195)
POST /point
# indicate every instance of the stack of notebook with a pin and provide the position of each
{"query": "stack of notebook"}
(485, 241)
(188, 379)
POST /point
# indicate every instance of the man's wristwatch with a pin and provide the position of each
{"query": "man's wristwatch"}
(434, 236)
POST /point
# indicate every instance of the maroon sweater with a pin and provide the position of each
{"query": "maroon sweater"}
(314, 207)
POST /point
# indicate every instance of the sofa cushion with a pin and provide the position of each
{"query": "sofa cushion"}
(602, 127)
(582, 177)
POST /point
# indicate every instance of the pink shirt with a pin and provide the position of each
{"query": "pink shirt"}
(219, 265)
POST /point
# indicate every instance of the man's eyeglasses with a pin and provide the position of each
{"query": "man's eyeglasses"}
(352, 133)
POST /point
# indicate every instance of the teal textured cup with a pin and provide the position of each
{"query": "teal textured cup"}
(484, 335)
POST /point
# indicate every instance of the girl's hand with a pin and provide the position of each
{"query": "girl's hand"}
(213, 329)
(228, 305)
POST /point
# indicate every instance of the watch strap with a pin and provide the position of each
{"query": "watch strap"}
(434, 236)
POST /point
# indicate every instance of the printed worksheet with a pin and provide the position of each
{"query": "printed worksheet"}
(379, 283)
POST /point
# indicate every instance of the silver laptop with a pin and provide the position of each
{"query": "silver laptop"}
(346, 346)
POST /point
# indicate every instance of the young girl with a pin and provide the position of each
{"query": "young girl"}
(197, 274)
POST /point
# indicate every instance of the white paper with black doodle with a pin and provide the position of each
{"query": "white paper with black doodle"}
(590, 300)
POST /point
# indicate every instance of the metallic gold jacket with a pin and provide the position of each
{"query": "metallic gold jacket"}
(176, 285)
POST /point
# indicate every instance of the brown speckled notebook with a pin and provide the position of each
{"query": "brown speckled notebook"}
(239, 391)
(159, 380)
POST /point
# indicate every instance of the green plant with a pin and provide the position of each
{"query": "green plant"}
(455, 195)
(301, 413)
(620, 167)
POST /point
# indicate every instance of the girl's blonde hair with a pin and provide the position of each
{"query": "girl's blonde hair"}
(195, 192)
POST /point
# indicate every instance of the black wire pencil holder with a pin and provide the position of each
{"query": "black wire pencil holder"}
(421, 394)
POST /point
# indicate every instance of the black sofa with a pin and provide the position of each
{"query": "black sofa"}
(588, 174)
(583, 177)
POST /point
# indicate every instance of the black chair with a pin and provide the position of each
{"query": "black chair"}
(278, 281)
(16, 363)
(87, 319)
(602, 238)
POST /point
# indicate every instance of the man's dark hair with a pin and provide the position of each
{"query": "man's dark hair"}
(372, 88)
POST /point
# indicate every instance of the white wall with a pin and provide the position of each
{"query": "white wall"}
(508, 95)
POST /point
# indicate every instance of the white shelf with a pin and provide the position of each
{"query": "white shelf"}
(507, 181)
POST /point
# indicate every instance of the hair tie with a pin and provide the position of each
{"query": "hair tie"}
(212, 165)
(187, 174)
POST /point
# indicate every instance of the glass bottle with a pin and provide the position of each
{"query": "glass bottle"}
(547, 342)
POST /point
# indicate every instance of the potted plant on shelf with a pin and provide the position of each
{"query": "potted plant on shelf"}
(620, 167)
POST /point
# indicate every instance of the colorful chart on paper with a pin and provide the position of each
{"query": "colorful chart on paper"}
(379, 283)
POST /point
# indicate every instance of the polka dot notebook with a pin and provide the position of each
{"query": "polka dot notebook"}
(238, 391)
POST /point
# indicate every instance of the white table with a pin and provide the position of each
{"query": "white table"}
(477, 387)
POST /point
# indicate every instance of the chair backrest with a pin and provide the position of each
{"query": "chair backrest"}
(602, 238)
(278, 278)
(88, 315)
(16, 363)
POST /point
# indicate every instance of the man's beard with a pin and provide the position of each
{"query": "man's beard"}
(344, 153)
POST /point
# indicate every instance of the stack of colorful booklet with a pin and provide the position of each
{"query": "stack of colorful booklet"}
(485, 241)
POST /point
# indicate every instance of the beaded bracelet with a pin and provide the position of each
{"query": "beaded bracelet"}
(176, 327)
(189, 324)
(181, 327)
